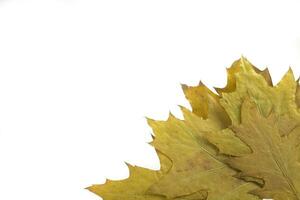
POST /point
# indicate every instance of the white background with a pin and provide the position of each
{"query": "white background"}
(77, 78)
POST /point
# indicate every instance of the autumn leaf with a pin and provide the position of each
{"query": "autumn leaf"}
(235, 68)
(136, 186)
(206, 104)
(239, 143)
(275, 154)
(281, 98)
(196, 163)
(216, 119)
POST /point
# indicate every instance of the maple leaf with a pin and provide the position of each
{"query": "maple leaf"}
(216, 117)
(282, 102)
(275, 154)
(241, 143)
(136, 186)
(196, 163)
(235, 69)
(206, 104)
(248, 82)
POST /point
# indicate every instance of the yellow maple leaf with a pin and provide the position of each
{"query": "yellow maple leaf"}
(275, 153)
(224, 149)
(136, 186)
(249, 83)
(196, 163)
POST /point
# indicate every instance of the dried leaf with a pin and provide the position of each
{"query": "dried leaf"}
(242, 143)
(236, 68)
(206, 104)
(275, 155)
(196, 163)
(136, 186)
(281, 98)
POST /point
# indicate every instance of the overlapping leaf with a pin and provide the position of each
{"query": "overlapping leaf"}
(241, 143)
(275, 154)
(196, 164)
(281, 98)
